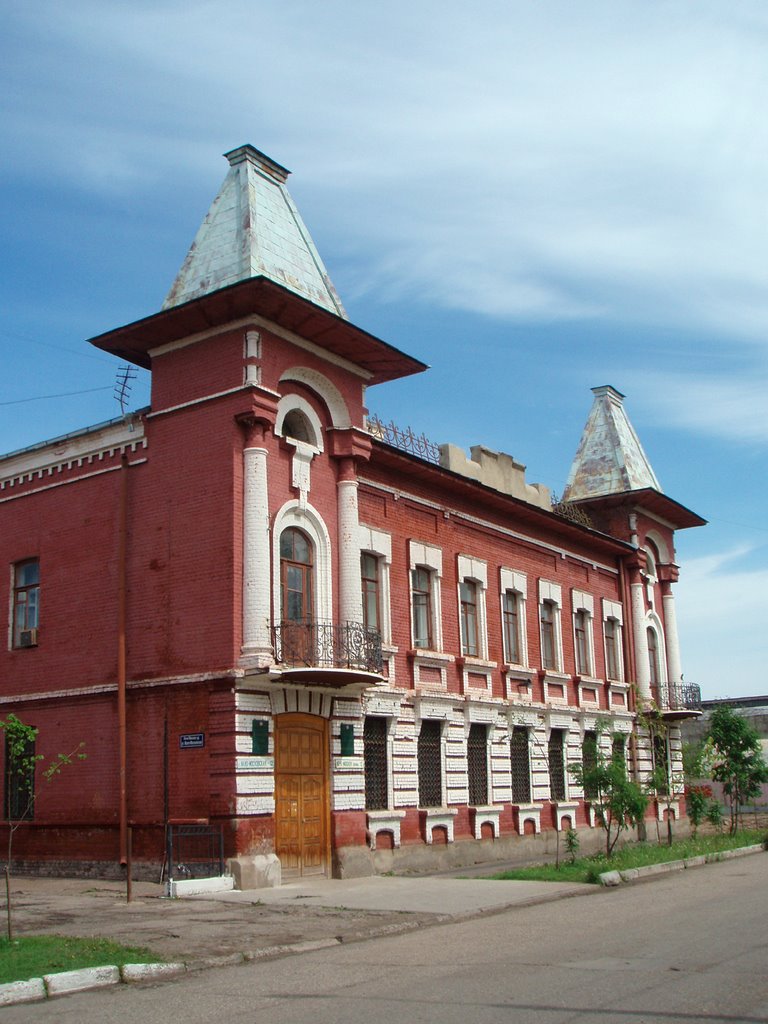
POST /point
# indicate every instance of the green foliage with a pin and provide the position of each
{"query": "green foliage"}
(737, 760)
(715, 814)
(31, 956)
(20, 784)
(618, 802)
(698, 799)
(572, 843)
(633, 855)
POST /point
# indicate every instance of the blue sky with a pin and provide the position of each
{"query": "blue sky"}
(533, 197)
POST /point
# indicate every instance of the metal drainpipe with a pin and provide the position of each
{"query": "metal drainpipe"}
(121, 703)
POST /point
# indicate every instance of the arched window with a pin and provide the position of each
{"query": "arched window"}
(296, 561)
(297, 426)
(653, 656)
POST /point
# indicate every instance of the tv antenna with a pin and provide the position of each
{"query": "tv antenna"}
(123, 384)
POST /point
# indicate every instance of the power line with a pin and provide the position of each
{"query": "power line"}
(64, 394)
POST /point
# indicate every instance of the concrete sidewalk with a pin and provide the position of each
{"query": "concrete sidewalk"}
(201, 930)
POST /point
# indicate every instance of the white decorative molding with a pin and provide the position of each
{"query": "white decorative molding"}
(566, 809)
(437, 817)
(488, 815)
(528, 812)
(384, 821)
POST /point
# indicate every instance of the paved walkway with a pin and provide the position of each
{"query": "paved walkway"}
(202, 928)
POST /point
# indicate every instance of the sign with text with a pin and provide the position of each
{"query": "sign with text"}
(191, 740)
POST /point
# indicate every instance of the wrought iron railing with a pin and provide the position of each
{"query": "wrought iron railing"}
(677, 696)
(194, 850)
(328, 645)
(405, 440)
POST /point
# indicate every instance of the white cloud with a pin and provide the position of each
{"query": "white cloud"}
(718, 607)
(730, 405)
(531, 161)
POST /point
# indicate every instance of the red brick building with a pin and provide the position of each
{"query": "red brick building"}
(260, 609)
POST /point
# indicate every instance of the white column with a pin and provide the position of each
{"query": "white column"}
(257, 645)
(350, 594)
(674, 667)
(642, 665)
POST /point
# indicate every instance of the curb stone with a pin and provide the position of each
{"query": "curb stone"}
(78, 981)
(22, 992)
(613, 878)
(148, 972)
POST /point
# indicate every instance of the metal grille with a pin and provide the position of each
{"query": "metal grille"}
(375, 746)
(406, 440)
(430, 767)
(194, 851)
(328, 645)
(556, 765)
(589, 762)
(477, 762)
(520, 755)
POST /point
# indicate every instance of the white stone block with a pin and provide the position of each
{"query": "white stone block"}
(80, 981)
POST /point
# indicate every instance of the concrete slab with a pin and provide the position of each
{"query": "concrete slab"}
(414, 895)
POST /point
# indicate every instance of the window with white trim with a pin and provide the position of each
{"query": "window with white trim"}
(426, 569)
(613, 619)
(513, 595)
(473, 580)
(550, 599)
(583, 610)
(375, 562)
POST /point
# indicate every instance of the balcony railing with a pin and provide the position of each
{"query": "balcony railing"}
(328, 645)
(677, 696)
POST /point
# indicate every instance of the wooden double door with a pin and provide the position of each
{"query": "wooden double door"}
(302, 810)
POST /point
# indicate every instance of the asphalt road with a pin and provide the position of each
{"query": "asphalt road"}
(689, 947)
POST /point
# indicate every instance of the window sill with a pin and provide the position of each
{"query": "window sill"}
(437, 817)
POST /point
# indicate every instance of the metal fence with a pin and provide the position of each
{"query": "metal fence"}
(194, 851)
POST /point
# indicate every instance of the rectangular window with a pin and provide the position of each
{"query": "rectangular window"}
(548, 644)
(376, 765)
(19, 782)
(581, 641)
(369, 572)
(555, 751)
(520, 756)
(26, 603)
(429, 758)
(421, 598)
(468, 600)
(612, 640)
(477, 763)
(511, 621)
(589, 762)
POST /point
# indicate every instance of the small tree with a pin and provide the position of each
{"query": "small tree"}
(618, 802)
(737, 760)
(21, 763)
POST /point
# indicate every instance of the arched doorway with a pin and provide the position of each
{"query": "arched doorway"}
(302, 810)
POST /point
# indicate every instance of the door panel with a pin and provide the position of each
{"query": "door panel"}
(301, 794)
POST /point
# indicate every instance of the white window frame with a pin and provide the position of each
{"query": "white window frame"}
(553, 593)
(474, 570)
(518, 584)
(583, 602)
(614, 610)
(425, 556)
(379, 544)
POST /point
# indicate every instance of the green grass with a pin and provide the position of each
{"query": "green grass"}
(633, 855)
(31, 956)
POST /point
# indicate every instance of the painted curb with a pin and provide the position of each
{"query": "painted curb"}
(78, 981)
(22, 992)
(614, 878)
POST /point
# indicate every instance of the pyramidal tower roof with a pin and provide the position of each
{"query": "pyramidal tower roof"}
(610, 458)
(253, 229)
